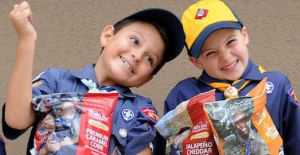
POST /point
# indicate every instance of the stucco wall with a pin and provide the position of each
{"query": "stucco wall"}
(68, 37)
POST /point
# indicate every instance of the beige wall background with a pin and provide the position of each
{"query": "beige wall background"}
(68, 37)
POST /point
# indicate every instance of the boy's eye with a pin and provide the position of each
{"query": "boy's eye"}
(149, 59)
(209, 53)
(230, 41)
(135, 41)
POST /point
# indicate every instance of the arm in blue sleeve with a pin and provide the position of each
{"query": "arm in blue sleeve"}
(291, 121)
(143, 132)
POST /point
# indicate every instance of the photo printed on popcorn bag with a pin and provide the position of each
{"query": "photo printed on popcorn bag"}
(187, 129)
(243, 126)
(74, 123)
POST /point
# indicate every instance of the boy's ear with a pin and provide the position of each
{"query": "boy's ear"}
(106, 34)
(145, 81)
(195, 62)
(245, 35)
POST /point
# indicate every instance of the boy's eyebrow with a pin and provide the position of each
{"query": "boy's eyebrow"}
(204, 50)
(226, 40)
(233, 35)
(139, 33)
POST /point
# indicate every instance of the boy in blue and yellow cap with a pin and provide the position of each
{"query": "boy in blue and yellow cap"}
(134, 50)
(216, 41)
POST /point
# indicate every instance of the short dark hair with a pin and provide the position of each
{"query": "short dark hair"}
(162, 32)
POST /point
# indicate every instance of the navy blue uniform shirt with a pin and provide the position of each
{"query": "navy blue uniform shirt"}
(281, 103)
(140, 131)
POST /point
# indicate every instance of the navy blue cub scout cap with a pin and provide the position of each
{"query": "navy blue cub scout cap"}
(170, 23)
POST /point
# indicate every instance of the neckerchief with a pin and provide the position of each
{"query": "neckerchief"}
(93, 87)
(231, 90)
(103, 89)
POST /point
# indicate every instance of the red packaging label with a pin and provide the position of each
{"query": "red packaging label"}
(74, 123)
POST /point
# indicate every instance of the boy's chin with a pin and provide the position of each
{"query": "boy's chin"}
(232, 78)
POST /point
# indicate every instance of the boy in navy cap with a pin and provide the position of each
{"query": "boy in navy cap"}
(216, 42)
(134, 49)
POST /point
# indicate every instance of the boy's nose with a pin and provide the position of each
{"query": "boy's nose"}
(135, 59)
(225, 54)
(137, 56)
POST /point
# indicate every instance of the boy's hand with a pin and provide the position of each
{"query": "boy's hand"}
(21, 17)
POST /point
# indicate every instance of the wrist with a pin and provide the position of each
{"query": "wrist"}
(28, 39)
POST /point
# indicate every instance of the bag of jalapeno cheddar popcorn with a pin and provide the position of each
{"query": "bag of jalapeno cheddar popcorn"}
(187, 129)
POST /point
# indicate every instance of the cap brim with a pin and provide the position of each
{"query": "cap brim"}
(170, 23)
(198, 44)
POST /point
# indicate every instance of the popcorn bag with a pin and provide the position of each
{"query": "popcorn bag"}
(187, 128)
(74, 123)
(243, 126)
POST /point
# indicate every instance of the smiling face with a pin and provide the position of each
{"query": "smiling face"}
(129, 56)
(48, 123)
(224, 55)
(241, 126)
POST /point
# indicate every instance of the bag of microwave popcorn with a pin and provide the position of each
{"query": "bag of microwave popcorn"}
(73, 123)
(243, 126)
(187, 129)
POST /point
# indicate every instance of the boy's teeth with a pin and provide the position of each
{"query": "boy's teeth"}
(124, 61)
(230, 66)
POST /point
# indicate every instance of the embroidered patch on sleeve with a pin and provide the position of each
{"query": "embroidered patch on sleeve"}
(293, 95)
(36, 83)
(150, 113)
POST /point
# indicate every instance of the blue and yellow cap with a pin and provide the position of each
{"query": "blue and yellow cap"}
(203, 18)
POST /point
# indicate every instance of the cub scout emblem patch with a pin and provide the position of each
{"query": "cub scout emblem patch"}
(201, 14)
(269, 87)
(127, 115)
(150, 113)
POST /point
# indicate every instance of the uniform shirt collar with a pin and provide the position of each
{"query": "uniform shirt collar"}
(89, 73)
(251, 73)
